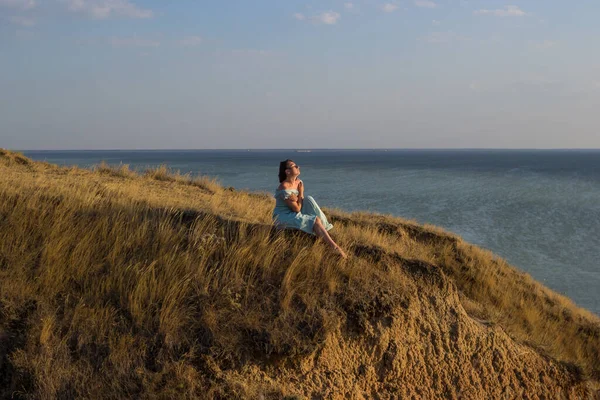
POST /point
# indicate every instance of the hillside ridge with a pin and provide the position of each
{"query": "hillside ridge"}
(115, 283)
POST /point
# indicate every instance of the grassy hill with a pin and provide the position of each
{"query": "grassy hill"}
(115, 284)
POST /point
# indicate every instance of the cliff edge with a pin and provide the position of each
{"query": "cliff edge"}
(153, 284)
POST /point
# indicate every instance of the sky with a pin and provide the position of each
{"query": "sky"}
(236, 74)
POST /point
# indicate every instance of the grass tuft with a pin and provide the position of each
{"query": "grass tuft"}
(160, 173)
(120, 171)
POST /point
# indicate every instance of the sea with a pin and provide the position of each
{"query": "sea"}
(537, 209)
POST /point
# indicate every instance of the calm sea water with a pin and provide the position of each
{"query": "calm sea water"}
(538, 209)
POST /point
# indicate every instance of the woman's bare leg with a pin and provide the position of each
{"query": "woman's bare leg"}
(321, 232)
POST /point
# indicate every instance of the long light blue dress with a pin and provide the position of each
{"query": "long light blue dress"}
(304, 220)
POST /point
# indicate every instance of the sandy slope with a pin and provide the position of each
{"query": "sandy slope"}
(410, 315)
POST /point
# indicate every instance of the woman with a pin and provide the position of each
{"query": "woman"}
(293, 210)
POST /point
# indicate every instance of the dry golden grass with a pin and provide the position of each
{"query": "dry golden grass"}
(119, 284)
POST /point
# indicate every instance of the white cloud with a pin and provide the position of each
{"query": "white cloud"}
(349, 6)
(435, 22)
(20, 4)
(22, 21)
(509, 11)
(102, 9)
(425, 4)
(327, 18)
(133, 42)
(389, 7)
(191, 41)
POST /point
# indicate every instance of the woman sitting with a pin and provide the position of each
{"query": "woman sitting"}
(293, 210)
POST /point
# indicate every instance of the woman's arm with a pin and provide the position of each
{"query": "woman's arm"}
(300, 193)
(301, 189)
(294, 203)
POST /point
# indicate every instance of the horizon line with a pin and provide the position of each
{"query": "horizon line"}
(302, 149)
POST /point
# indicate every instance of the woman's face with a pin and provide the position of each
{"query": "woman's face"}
(293, 168)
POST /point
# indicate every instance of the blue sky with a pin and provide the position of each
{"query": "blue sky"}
(188, 74)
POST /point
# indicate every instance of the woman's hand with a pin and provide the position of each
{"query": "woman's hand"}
(301, 189)
(294, 203)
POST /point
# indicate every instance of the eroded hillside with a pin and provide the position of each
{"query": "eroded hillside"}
(119, 285)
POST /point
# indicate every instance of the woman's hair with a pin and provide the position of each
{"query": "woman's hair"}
(282, 167)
